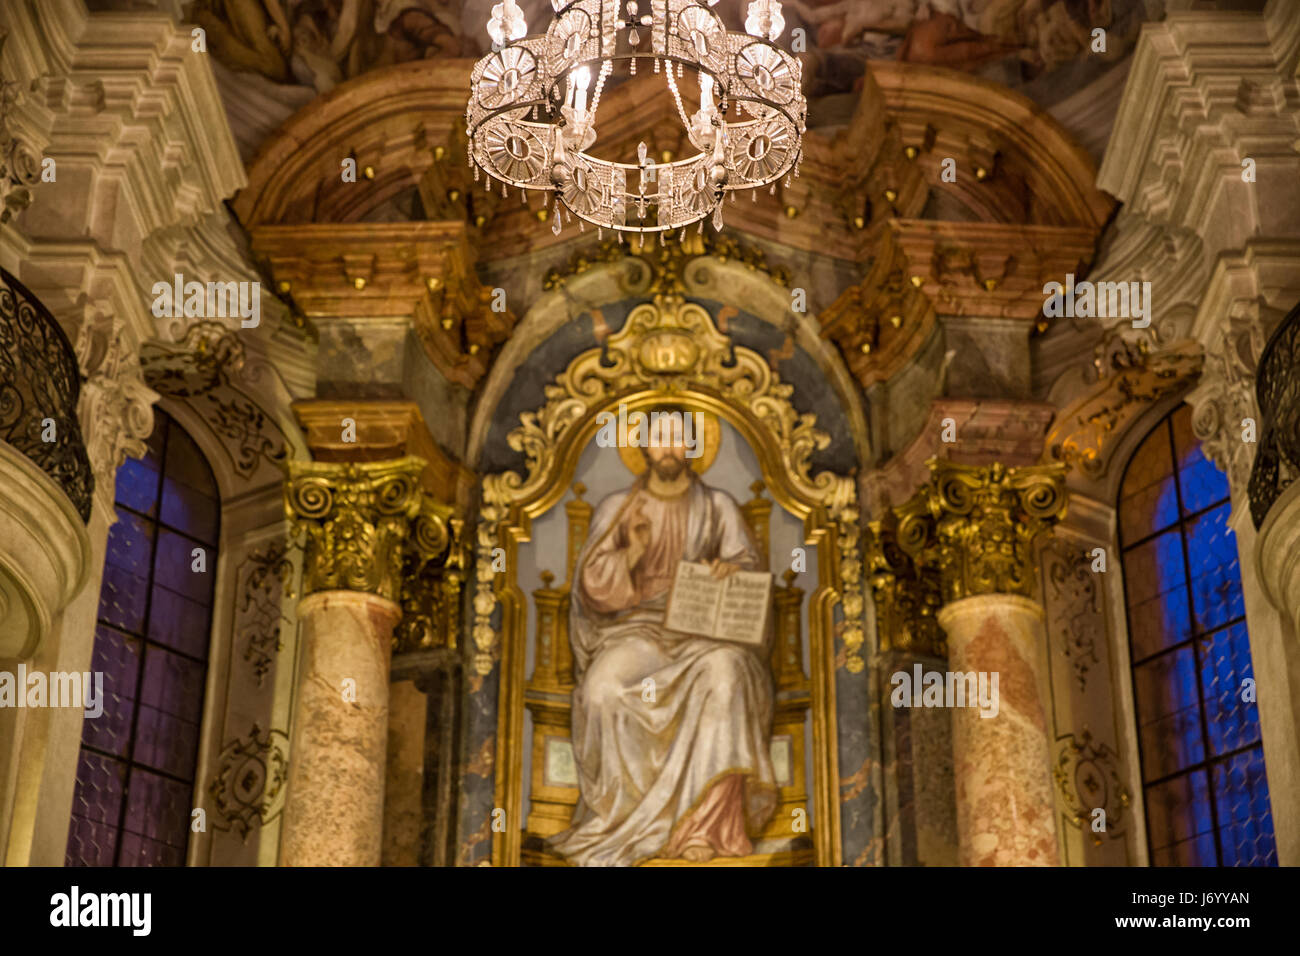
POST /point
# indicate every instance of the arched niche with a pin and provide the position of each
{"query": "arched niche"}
(667, 350)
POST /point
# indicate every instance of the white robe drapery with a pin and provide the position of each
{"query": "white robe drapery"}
(643, 764)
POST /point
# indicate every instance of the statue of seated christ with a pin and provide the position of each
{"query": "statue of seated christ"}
(670, 730)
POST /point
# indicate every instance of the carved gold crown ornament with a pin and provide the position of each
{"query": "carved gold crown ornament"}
(531, 124)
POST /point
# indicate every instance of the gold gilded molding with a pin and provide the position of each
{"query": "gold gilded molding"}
(433, 564)
(977, 523)
(672, 346)
(669, 350)
(668, 262)
(1130, 380)
(353, 519)
(908, 596)
(384, 429)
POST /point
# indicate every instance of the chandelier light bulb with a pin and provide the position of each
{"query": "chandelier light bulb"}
(706, 92)
(764, 19)
(507, 23)
(579, 83)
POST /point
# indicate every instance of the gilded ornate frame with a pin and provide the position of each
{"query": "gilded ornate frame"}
(670, 350)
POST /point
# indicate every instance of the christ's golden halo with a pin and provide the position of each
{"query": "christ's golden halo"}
(710, 437)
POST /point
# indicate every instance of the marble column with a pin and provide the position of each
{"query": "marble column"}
(975, 526)
(334, 814)
(1005, 808)
(354, 519)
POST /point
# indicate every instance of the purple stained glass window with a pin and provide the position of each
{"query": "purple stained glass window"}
(135, 777)
(1203, 777)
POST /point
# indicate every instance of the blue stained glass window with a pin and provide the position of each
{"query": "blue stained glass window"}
(135, 776)
(1205, 789)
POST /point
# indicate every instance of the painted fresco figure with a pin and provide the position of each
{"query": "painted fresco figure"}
(670, 730)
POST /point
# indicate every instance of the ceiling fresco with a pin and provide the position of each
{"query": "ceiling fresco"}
(1021, 43)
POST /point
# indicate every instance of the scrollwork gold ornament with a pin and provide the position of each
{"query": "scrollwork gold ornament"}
(432, 566)
(662, 269)
(353, 519)
(671, 345)
(908, 596)
(977, 525)
(1130, 379)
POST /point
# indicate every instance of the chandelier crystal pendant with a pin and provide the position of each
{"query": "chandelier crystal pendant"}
(533, 100)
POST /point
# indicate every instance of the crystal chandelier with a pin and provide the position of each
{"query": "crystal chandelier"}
(532, 109)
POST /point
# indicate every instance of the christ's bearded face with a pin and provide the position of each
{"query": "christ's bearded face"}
(667, 459)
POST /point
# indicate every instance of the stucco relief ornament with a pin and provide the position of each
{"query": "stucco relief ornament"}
(1224, 398)
(116, 404)
(248, 790)
(532, 122)
(19, 165)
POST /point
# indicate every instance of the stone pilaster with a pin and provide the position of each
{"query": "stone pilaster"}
(917, 742)
(1271, 558)
(976, 527)
(354, 519)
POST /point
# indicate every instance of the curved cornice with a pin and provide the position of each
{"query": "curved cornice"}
(395, 118)
(1026, 147)
(397, 114)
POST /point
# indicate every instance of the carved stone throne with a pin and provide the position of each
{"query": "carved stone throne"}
(786, 839)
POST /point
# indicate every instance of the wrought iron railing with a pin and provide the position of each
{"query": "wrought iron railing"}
(40, 384)
(1277, 388)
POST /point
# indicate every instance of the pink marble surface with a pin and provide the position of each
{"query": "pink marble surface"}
(1006, 813)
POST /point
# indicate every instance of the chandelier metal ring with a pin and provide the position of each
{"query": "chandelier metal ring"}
(531, 124)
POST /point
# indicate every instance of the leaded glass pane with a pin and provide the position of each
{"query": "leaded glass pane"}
(1214, 570)
(136, 770)
(1205, 789)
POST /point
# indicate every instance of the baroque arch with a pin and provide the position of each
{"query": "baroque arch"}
(667, 350)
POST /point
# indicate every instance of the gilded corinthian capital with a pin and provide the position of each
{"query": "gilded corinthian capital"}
(433, 572)
(977, 525)
(907, 594)
(354, 518)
